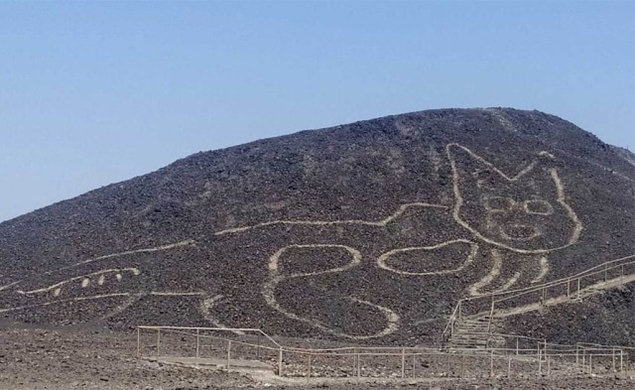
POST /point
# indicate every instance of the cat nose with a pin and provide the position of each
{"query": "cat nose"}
(520, 232)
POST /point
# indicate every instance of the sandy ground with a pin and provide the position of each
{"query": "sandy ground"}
(57, 359)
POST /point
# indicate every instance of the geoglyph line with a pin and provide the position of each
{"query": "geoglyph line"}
(55, 286)
(561, 198)
(382, 260)
(383, 222)
(392, 319)
(205, 309)
(126, 253)
(489, 278)
(544, 270)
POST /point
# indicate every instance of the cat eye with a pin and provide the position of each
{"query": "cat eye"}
(539, 207)
(498, 203)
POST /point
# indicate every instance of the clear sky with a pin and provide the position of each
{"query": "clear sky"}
(93, 93)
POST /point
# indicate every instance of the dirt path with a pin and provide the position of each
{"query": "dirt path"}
(60, 359)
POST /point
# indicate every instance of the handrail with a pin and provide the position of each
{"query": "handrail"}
(563, 281)
(507, 295)
(256, 330)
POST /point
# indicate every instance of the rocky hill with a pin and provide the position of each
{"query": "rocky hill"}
(370, 231)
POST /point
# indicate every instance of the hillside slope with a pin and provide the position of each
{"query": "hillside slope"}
(367, 231)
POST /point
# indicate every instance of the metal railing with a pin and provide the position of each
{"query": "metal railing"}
(198, 345)
(557, 291)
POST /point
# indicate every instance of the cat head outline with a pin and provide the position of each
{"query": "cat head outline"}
(525, 213)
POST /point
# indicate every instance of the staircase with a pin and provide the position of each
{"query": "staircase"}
(478, 330)
(475, 332)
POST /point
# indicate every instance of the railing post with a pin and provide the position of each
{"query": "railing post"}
(590, 364)
(198, 343)
(403, 363)
(568, 288)
(543, 300)
(414, 365)
(158, 342)
(229, 352)
(539, 362)
(517, 338)
(509, 366)
(138, 343)
(579, 293)
(462, 364)
(280, 361)
(613, 359)
(622, 362)
(308, 375)
(491, 315)
(359, 371)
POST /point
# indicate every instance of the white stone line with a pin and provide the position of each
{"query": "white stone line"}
(176, 294)
(132, 270)
(126, 253)
(459, 200)
(544, 270)
(9, 285)
(76, 299)
(382, 260)
(269, 287)
(508, 284)
(383, 222)
(562, 199)
(132, 299)
(357, 258)
(474, 289)
(205, 309)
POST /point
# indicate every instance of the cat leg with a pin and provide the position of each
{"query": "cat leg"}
(544, 270)
(300, 294)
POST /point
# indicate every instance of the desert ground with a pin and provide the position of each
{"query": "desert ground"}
(46, 358)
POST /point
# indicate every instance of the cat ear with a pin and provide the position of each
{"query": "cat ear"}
(470, 167)
(466, 164)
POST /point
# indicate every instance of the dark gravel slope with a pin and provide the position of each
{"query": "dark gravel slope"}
(382, 225)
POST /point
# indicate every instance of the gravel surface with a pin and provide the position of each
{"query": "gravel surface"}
(57, 359)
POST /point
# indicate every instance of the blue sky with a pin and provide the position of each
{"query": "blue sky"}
(93, 93)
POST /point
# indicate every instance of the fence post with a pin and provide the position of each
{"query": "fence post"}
(198, 343)
(258, 347)
(613, 359)
(568, 288)
(590, 364)
(158, 342)
(414, 365)
(138, 343)
(491, 315)
(539, 361)
(359, 371)
(509, 366)
(280, 361)
(548, 365)
(622, 362)
(491, 364)
(229, 352)
(579, 294)
(543, 301)
(462, 364)
(403, 363)
(577, 346)
(308, 375)
(517, 338)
